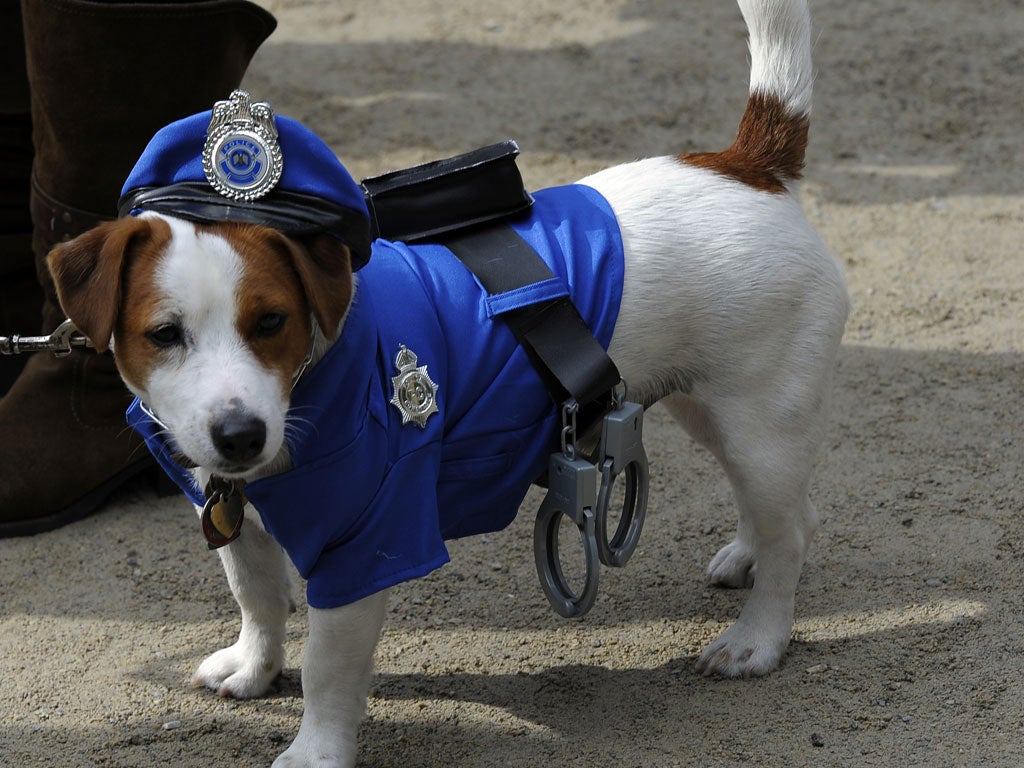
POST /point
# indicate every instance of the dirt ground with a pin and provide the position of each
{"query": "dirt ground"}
(909, 641)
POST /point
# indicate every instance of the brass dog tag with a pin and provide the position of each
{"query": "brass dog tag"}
(223, 513)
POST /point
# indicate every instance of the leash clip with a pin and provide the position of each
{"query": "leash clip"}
(65, 338)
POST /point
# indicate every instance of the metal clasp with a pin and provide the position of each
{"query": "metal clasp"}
(569, 410)
(65, 338)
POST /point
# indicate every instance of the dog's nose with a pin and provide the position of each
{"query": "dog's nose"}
(239, 436)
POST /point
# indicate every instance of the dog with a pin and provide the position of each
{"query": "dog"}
(729, 310)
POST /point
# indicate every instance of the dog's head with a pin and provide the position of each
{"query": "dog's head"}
(211, 304)
(209, 324)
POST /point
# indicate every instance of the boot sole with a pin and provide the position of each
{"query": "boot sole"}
(89, 503)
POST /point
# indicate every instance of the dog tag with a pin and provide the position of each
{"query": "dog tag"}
(572, 491)
(223, 514)
(622, 450)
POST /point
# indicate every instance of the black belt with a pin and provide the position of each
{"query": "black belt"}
(570, 361)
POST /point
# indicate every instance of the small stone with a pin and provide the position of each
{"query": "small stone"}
(817, 740)
(172, 725)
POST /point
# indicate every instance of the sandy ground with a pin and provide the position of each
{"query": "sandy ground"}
(909, 642)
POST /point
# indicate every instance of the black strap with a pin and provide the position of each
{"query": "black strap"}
(570, 360)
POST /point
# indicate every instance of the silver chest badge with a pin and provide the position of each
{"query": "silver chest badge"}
(415, 395)
(241, 158)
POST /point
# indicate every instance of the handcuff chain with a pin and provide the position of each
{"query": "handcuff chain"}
(569, 410)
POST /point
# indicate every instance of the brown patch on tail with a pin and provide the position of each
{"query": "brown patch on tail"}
(768, 150)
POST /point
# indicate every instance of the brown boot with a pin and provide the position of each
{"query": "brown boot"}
(103, 78)
(20, 294)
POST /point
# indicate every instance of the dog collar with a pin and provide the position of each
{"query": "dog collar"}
(309, 356)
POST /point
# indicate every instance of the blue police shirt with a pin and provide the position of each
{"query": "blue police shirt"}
(370, 501)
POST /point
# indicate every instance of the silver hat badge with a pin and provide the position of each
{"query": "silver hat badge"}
(415, 394)
(241, 158)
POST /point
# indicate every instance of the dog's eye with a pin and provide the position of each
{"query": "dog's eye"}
(269, 324)
(165, 336)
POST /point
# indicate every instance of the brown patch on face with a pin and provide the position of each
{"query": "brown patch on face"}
(270, 291)
(140, 293)
(768, 150)
(88, 272)
(324, 265)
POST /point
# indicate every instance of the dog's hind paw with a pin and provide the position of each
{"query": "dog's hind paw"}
(733, 566)
(742, 652)
(237, 673)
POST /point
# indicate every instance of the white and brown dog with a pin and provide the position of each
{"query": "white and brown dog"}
(731, 314)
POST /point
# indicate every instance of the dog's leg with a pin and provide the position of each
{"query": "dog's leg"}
(734, 565)
(335, 680)
(260, 581)
(768, 463)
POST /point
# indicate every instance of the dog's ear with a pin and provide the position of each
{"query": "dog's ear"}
(87, 273)
(324, 266)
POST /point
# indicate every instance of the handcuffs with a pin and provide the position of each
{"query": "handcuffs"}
(581, 490)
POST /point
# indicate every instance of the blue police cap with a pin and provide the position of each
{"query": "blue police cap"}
(240, 162)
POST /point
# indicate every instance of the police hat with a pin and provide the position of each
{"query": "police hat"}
(240, 162)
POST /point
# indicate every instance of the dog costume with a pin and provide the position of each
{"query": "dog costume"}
(374, 492)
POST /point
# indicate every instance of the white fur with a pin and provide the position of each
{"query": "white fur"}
(732, 313)
(780, 50)
(336, 675)
(746, 334)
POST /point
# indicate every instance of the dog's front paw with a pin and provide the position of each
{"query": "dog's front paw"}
(314, 753)
(237, 672)
(733, 566)
(742, 651)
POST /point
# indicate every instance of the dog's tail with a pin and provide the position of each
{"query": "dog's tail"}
(769, 148)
